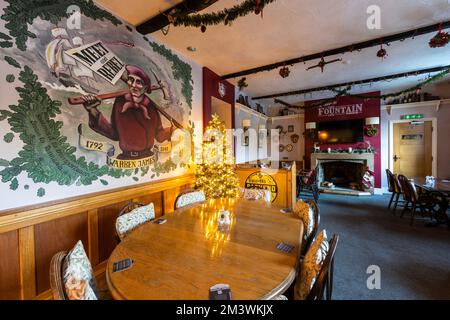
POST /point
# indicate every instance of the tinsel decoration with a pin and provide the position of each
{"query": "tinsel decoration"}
(215, 173)
(284, 72)
(440, 39)
(344, 92)
(225, 16)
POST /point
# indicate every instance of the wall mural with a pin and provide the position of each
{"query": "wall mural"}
(94, 103)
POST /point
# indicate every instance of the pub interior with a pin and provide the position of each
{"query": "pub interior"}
(224, 150)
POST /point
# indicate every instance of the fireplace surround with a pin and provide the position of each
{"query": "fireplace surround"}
(344, 170)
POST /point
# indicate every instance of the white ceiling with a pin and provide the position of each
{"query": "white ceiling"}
(293, 28)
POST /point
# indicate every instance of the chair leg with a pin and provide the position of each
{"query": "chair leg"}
(404, 208)
(396, 202)
(390, 201)
(413, 211)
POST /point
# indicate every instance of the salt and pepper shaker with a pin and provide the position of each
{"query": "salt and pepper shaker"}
(224, 219)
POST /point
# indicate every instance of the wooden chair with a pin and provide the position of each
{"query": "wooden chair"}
(391, 186)
(307, 182)
(127, 209)
(323, 286)
(183, 200)
(56, 277)
(310, 238)
(398, 192)
(57, 281)
(324, 281)
(414, 200)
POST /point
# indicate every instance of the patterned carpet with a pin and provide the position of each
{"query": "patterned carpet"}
(414, 261)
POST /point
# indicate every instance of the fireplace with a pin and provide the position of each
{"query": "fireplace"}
(342, 172)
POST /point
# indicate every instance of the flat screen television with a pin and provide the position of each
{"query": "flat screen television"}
(347, 131)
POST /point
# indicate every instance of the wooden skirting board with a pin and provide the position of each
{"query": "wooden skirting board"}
(30, 236)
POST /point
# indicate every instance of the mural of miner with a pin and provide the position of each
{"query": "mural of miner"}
(135, 121)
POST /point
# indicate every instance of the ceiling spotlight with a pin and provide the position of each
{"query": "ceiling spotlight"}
(191, 49)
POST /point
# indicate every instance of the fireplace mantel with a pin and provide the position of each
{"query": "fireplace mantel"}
(317, 157)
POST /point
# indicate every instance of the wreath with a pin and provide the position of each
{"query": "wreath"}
(371, 131)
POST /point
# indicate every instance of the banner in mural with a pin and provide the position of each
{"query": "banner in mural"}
(92, 104)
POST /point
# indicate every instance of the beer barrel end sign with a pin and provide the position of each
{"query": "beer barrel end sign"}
(262, 180)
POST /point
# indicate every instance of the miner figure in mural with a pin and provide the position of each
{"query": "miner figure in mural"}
(135, 121)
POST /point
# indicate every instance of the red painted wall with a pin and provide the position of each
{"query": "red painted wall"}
(211, 82)
(347, 108)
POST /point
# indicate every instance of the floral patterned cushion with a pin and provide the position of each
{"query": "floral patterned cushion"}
(127, 222)
(190, 198)
(311, 265)
(78, 277)
(306, 214)
(255, 194)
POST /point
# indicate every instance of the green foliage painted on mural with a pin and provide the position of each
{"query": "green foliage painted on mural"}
(4, 163)
(14, 184)
(40, 192)
(10, 78)
(164, 167)
(18, 14)
(8, 137)
(12, 62)
(181, 70)
(104, 182)
(4, 36)
(6, 44)
(4, 114)
(46, 156)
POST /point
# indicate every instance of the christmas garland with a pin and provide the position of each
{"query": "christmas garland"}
(225, 16)
(344, 92)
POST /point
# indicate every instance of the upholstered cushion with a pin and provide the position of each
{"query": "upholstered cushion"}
(311, 265)
(306, 214)
(127, 222)
(255, 194)
(78, 277)
(190, 198)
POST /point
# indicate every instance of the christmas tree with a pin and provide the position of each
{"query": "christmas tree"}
(215, 173)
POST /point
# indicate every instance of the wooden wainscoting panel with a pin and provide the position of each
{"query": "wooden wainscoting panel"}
(27, 263)
(9, 266)
(157, 200)
(170, 195)
(93, 237)
(53, 236)
(107, 236)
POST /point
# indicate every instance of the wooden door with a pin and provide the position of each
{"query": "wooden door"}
(412, 148)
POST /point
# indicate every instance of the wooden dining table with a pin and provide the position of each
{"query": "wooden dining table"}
(188, 254)
(441, 190)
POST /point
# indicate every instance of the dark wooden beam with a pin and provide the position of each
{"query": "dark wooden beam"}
(358, 82)
(160, 21)
(349, 48)
(285, 103)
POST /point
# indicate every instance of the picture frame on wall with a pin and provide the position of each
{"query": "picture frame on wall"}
(261, 138)
(245, 140)
(291, 128)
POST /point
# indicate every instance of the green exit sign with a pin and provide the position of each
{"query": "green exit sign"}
(412, 116)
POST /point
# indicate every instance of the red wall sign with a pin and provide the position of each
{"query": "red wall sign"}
(347, 108)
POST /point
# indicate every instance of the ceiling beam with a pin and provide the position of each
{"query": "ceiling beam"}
(160, 21)
(349, 48)
(371, 80)
(285, 103)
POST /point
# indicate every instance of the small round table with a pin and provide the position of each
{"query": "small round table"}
(184, 257)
